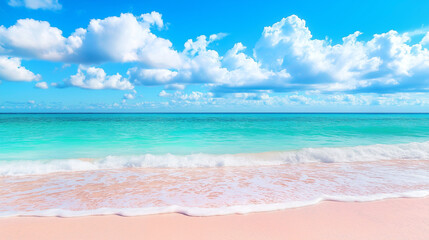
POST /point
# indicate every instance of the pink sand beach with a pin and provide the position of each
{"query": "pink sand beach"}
(401, 218)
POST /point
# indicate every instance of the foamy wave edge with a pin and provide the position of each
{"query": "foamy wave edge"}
(409, 151)
(205, 212)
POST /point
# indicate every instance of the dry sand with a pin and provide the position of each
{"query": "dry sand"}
(392, 219)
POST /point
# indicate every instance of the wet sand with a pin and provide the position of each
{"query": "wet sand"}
(402, 218)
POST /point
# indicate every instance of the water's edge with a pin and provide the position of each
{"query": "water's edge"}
(206, 212)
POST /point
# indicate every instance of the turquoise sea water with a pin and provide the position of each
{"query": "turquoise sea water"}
(206, 164)
(63, 136)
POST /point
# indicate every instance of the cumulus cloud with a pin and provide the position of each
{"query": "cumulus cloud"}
(425, 40)
(251, 96)
(37, 39)
(194, 97)
(199, 65)
(96, 78)
(42, 85)
(386, 62)
(11, 70)
(245, 72)
(153, 18)
(151, 76)
(126, 38)
(129, 96)
(286, 58)
(163, 93)
(313, 63)
(36, 4)
(205, 66)
(295, 99)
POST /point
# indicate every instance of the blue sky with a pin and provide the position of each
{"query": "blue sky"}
(169, 56)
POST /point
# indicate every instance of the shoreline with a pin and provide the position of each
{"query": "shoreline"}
(399, 218)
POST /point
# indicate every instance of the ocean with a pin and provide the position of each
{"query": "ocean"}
(204, 164)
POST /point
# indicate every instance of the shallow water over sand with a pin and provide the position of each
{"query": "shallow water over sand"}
(209, 191)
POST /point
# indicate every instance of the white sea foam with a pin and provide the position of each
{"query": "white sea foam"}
(410, 151)
(201, 212)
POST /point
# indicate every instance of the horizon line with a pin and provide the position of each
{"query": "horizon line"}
(214, 112)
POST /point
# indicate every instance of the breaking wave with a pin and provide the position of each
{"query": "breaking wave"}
(410, 151)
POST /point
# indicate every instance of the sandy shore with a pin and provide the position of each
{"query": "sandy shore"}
(389, 219)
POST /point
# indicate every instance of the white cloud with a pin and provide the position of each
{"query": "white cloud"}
(199, 65)
(202, 65)
(244, 71)
(11, 70)
(126, 38)
(37, 39)
(385, 62)
(96, 78)
(425, 40)
(151, 76)
(42, 85)
(153, 18)
(163, 93)
(36, 4)
(288, 44)
(175, 86)
(286, 58)
(129, 96)
(251, 96)
(194, 97)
